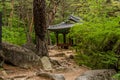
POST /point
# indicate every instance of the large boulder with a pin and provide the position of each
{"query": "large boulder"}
(46, 64)
(30, 46)
(20, 56)
(97, 75)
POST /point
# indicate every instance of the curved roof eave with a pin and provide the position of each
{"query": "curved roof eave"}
(60, 27)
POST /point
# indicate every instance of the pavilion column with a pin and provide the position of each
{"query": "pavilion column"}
(0, 30)
(71, 41)
(57, 38)
(64, 38)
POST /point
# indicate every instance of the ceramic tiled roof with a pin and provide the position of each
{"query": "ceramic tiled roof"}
(63, 26)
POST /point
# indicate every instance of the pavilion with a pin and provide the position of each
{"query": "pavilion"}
(63, 28)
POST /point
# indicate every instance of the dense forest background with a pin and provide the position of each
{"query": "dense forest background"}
(97, 38)
(18, 15)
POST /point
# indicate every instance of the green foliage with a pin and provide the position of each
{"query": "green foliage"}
(97, 41)
(52, 36)
(16, 22)
(117, 76)
(15, 35)
(16, 18)
(97, 60)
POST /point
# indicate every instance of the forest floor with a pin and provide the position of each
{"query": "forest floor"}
(68, 68)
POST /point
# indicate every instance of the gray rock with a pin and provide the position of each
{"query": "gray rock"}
(19, 79)
(97, 75)
(23, 77)
(20, 56)
(51, 76)
(46, 63)
(59, 55)
(29, 46)
(58, 77)
(4, 73)
(82, 78)
(44, 74)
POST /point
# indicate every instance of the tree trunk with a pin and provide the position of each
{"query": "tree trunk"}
(40, 27)
(11, 13)
(5, 22)
(0, 30)
(1, 57)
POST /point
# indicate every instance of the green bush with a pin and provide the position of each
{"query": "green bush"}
(52, 36)
(15, 35)
(14, 32)
(117, 76)
(97, 42)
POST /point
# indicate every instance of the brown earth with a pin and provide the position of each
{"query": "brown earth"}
(67, 67)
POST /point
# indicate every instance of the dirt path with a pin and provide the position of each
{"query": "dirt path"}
(68, 68)
(64, 57)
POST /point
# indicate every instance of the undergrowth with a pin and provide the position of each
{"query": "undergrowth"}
(97, 42)
(14, 35)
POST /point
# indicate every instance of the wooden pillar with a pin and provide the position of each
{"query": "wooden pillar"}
(0, 30)
(64, 38)
(71, 41)
(57, 38)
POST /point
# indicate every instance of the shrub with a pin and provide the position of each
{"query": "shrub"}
(15, 32)
(98, 42)
(15, 35)
(117, 76)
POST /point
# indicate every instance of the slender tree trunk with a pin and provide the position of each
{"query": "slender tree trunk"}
(31, 26)
(0, 30)
(29, 33)
(28, 28)
(5, 22)
(40, 27)
(11, 13)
